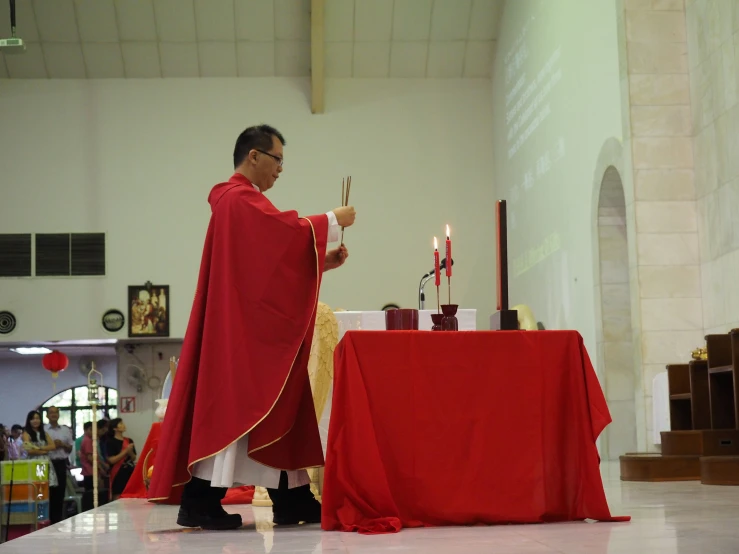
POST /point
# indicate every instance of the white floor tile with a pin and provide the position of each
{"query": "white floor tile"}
(668, 518)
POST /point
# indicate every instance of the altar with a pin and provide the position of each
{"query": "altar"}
(447, 428)
(330, 328)
(375, 321)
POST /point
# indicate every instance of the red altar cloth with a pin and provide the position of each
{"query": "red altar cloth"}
(136, 488)
(462, 428)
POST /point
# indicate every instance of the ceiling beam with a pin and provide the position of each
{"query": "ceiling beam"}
(317, 76)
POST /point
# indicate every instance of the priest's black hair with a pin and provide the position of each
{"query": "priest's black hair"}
(258, 137)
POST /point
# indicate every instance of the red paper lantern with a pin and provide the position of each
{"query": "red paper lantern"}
(55, 362)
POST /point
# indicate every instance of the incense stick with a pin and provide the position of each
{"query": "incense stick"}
(345, 199)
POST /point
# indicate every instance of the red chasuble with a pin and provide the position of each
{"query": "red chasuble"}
(244, 362)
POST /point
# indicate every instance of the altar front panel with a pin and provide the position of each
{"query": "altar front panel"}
(490, 427)
(375, 321)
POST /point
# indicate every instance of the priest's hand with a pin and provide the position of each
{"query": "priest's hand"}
(345, 216)
(336, 258)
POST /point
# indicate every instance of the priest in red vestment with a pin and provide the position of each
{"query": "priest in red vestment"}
(241, 409)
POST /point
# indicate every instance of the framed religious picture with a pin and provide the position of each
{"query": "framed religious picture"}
(128, 404)
(148, 310)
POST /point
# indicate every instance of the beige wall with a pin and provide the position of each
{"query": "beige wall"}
(623, 102)
(153, 359)
(664, 263)
(713, 54)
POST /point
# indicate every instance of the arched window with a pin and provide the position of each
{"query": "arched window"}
(74, 407)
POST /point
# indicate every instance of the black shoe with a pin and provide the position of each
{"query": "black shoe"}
(308, 511)
(194, 517)
(215, 509)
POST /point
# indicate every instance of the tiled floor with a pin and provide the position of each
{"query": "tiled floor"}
(688, 518)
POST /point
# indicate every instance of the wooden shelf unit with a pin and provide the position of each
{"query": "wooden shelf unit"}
(703, 442)
(721, 379)
(690, 406)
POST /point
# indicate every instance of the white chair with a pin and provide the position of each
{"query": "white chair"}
(660, 407)
(73, 493)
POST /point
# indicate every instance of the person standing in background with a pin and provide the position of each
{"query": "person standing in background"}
(62, 437)
(85, 454)
(86, 430)
(15, 444)
(37, 444)
(121, 456)
(4, 443)
(104, 469)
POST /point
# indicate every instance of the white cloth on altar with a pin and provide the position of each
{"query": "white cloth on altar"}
(233, 465)
(375, 320)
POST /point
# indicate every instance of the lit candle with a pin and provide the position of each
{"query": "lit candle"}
(448, 253)
(437, 272)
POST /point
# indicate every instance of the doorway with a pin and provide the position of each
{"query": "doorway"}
(617, 350)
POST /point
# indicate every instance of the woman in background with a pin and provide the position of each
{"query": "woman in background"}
(38, 444)
(3, 443)
(121, 456)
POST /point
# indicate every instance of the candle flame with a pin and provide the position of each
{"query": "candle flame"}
(436, 244)
(447, 232)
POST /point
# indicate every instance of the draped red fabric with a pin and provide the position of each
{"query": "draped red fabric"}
(243, 365)
(136, 487)
(462, 428)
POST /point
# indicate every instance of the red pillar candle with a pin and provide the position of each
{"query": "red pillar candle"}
(448, 253)
(437, 272)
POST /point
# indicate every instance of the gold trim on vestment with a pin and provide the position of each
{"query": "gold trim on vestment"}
(315, 304)
(143, 470)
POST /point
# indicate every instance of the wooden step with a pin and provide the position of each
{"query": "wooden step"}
(657, 467)
(708, 442)
(720, 470)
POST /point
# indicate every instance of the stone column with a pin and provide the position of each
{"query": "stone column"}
(664, 262)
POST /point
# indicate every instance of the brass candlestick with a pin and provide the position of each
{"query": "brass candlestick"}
(92, 397)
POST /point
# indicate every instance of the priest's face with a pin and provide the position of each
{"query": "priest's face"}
(268, 166)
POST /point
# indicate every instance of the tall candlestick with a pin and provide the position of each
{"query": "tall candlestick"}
(93, 399)
(448, 253)
(449, 264)
(437, 273)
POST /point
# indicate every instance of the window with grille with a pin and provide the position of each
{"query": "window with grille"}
(75, 410)
(15, 255)
(70, 254)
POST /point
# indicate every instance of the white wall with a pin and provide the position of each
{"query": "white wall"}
(567, 52)
(25, 384)
(137, 159)
(153, 359)
(713, 35)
